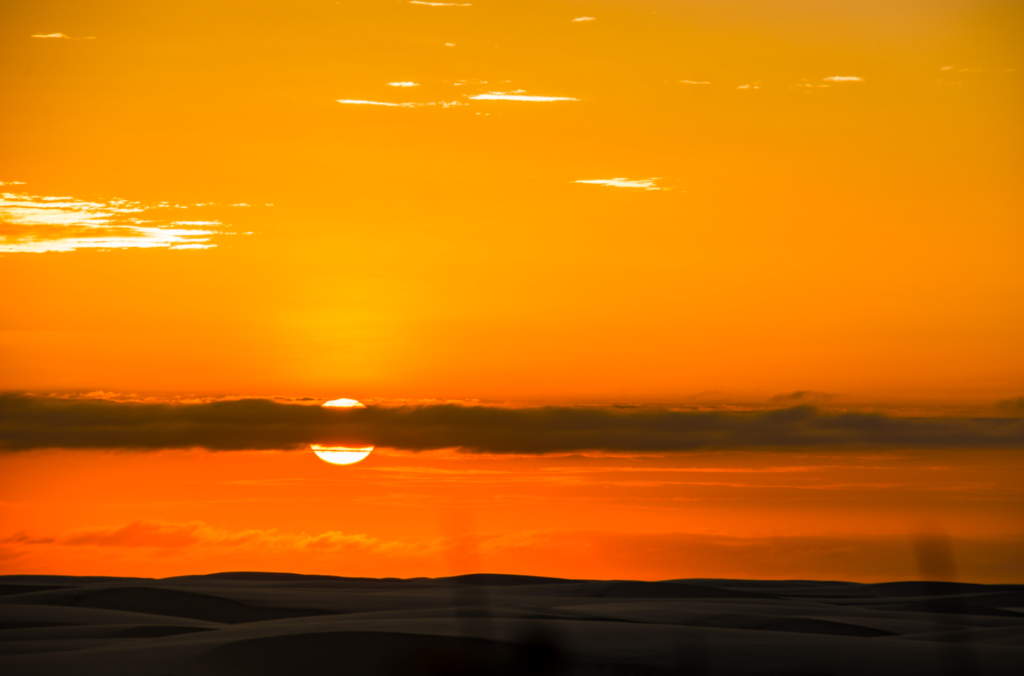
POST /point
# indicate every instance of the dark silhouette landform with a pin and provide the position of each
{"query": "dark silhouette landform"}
(270, 624)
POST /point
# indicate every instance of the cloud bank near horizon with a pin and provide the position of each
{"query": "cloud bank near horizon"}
(29, 422)
(182, 547)
(579, 553)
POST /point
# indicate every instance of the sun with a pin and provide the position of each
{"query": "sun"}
(341, 455)
(343, 403)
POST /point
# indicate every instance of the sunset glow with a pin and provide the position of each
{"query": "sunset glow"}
(631, 290)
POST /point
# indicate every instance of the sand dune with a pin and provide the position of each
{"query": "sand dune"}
(264, 624)
(159, 601)
(12, 589)
(1012, 636)
(17, 616)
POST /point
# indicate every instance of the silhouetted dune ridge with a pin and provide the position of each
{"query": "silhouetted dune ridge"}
(502, 580)
(247, 576)
(924, 588)
(13, 589)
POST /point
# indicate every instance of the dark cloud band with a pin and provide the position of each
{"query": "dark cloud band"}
(31, 422)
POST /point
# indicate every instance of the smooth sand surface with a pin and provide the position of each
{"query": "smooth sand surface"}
(265, 624)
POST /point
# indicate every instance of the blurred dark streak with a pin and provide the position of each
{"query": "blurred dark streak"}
(933, 553)
(470, 601)
(535, 651)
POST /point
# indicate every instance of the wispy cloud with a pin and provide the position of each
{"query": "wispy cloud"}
(443, 104)
(748, 86)
(163, 535)
(515, 96)
(1014, 405)
(434, 471)
(31, 422)
(359, 102)
(643, 183)
(843, 78)
(803, 397)
(697, 470)
(439, 4)
(403, 84)
(978, 70)
(60, 36)
(693, 82)
(36, 224)
(12, 182)
(581, 19)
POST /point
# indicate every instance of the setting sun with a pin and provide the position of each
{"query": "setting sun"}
(340, 455)
(342, 403)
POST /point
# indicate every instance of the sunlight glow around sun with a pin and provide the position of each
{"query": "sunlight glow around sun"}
(341, 455)
(343, 403)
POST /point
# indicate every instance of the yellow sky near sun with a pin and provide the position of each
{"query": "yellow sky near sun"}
(667, 199)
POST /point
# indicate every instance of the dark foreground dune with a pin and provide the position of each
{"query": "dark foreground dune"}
(270, 624)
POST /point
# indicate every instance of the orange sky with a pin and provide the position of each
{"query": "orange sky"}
(720, 514)
(728, 201)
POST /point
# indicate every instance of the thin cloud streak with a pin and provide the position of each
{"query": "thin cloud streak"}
(439, 4)
(642, 183)
(843, 78)
(512, 96)
(35, 422)
(403, 84)
(358, 102)
(584, 18)
(60, 36)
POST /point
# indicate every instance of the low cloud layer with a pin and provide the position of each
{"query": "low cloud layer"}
(182, 548)
(33, 422)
